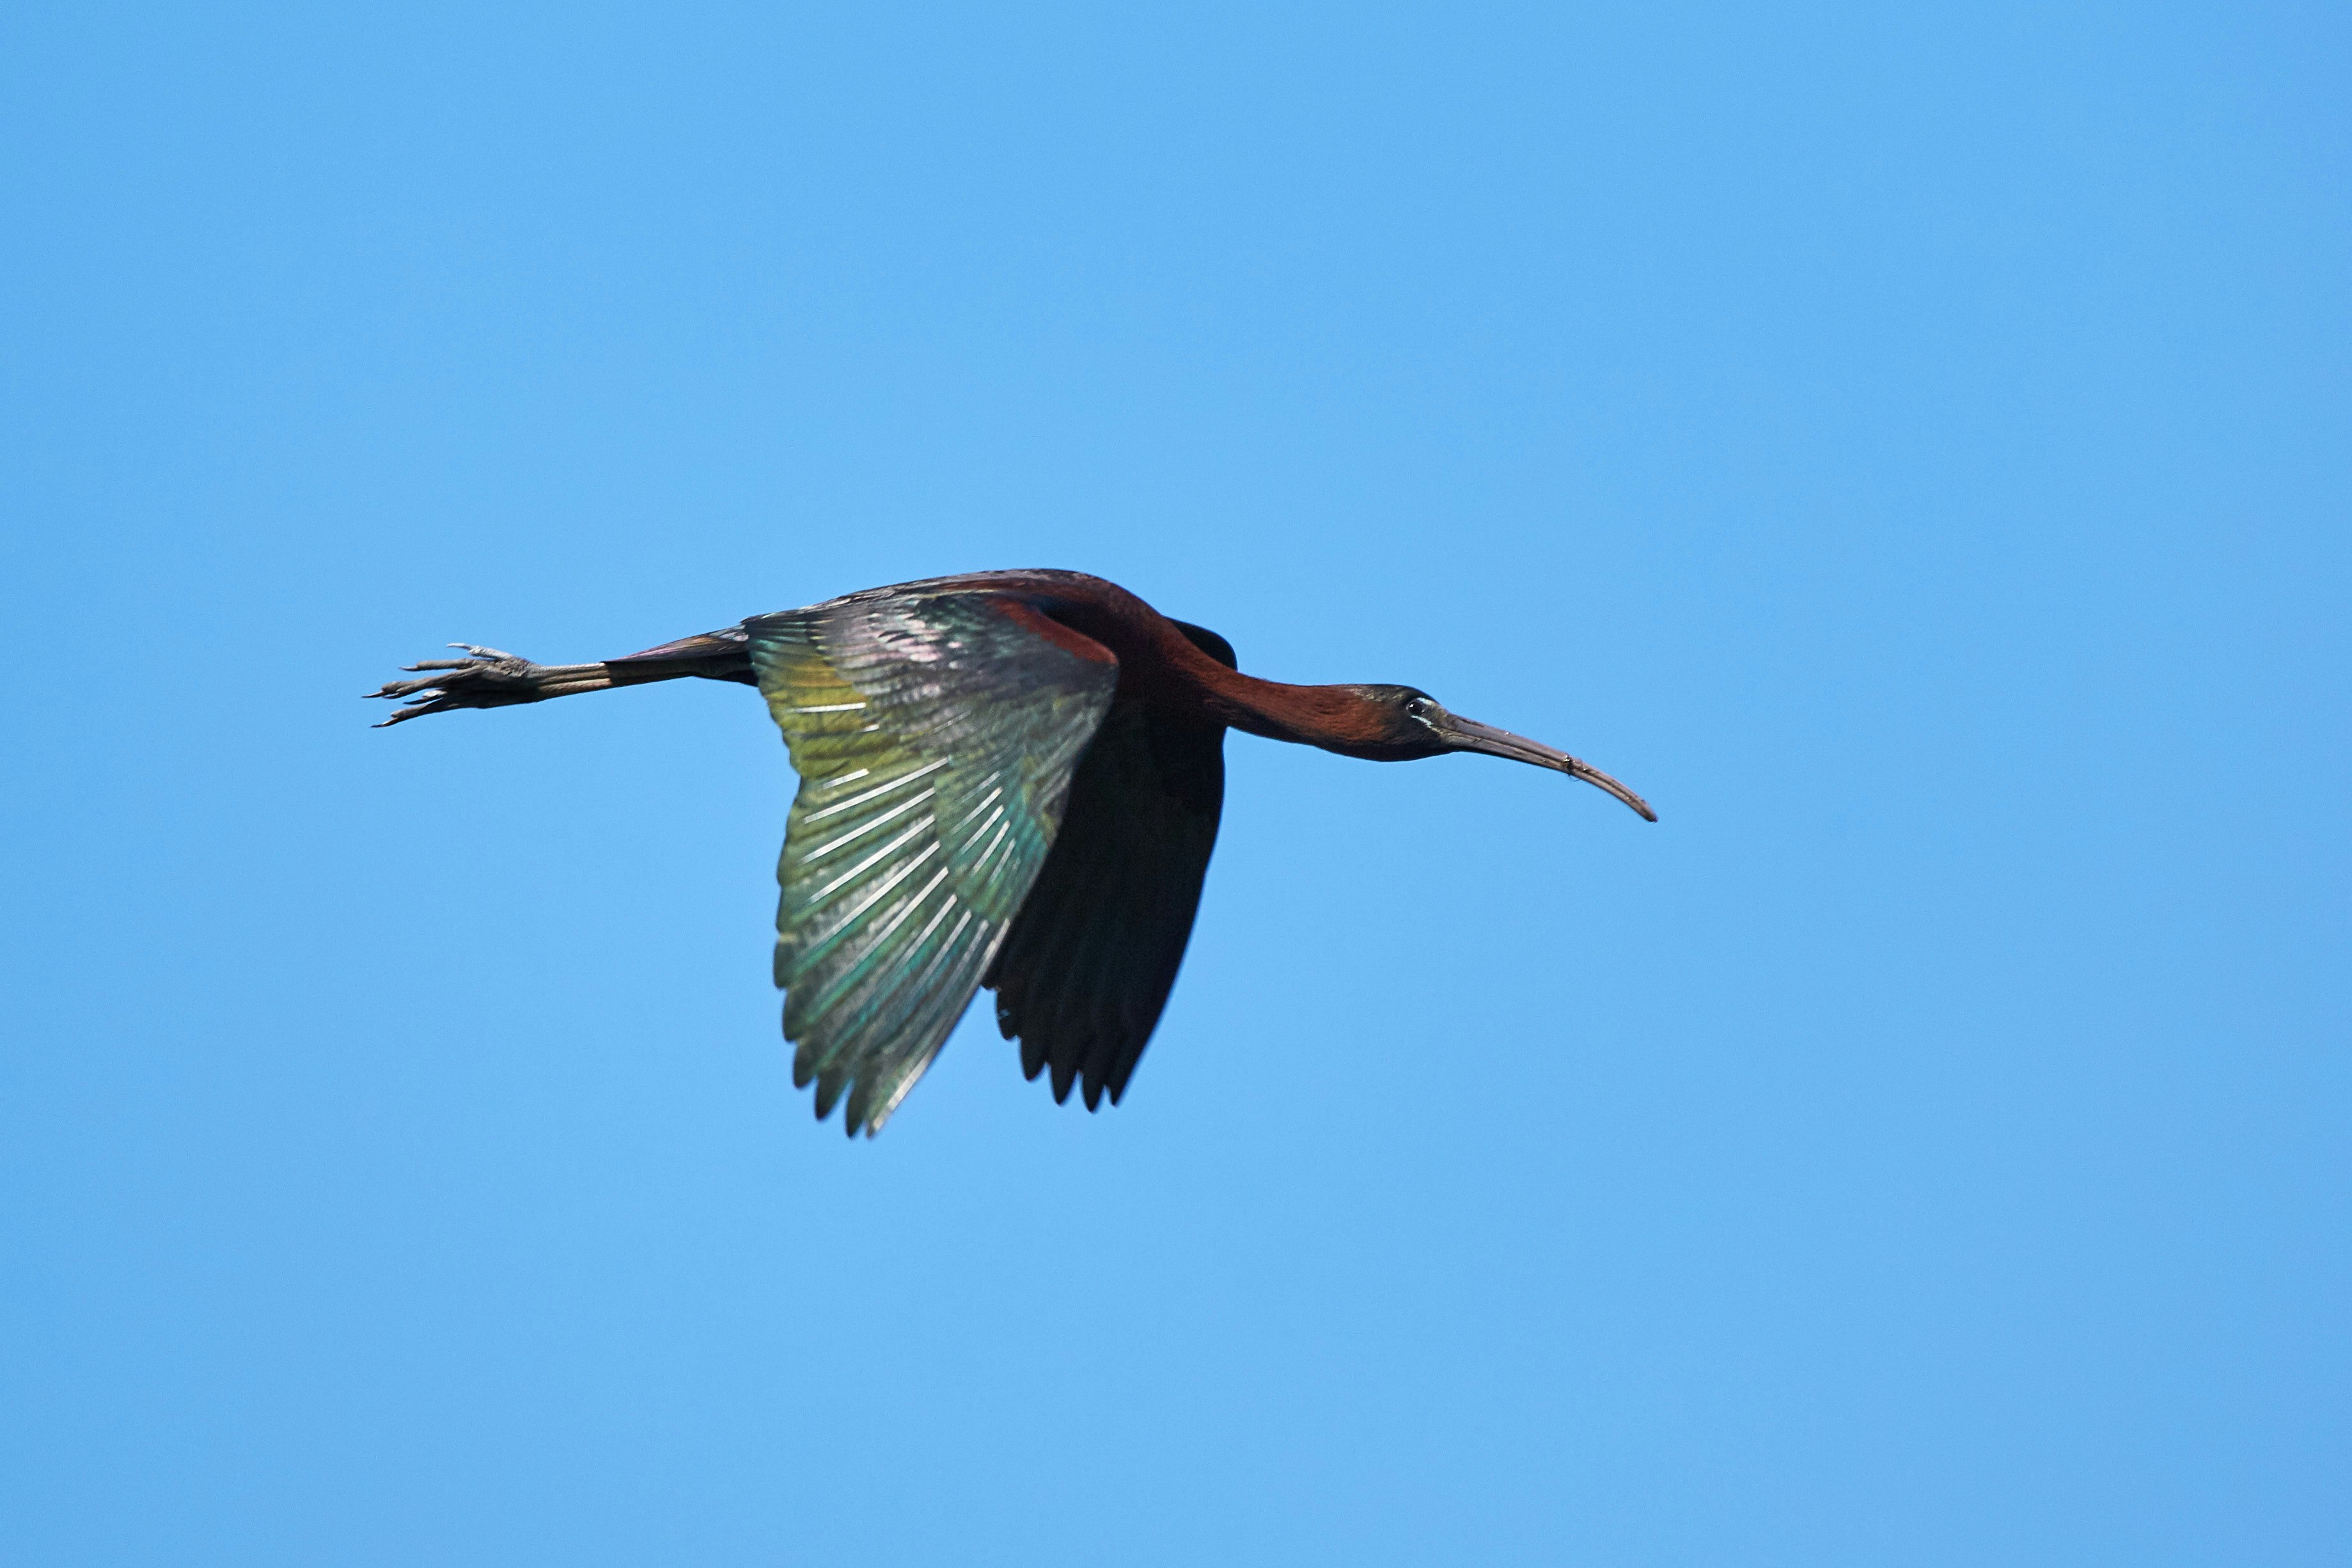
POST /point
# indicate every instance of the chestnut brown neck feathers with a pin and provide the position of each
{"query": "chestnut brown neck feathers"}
(1159, 665)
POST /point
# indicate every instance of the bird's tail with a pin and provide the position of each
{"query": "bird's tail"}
(486, 678)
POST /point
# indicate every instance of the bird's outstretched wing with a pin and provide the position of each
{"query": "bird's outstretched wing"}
(936, 736)
(1088, 967)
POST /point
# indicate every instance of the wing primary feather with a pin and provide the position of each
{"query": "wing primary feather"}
(1087, 970)
(889, 996)
(1071, 1013)
(936, 730)
(1054, 967)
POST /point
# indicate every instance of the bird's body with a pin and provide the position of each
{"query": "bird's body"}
(1008, 779)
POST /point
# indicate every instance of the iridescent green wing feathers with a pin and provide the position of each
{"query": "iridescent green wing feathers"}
(935, 736)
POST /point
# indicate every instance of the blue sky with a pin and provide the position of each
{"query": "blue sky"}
(1908, 445)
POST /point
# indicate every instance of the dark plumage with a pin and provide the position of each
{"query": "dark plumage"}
(1008, 779)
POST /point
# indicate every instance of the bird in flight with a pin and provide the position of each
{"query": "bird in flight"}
(1008, 779)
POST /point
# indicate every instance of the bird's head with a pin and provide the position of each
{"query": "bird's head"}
(1399, 723)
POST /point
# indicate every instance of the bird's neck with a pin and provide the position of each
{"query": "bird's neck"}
(1336, 718)
(1158, 664)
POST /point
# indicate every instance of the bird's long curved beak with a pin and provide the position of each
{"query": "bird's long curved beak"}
(1469, 735)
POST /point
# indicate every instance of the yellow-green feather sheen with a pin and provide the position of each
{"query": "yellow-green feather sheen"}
(935, 742)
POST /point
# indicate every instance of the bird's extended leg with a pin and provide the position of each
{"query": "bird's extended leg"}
(488, 677)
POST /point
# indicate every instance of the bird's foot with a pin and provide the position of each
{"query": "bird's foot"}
(485, 678)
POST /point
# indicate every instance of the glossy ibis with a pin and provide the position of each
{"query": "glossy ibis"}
(1008, 779)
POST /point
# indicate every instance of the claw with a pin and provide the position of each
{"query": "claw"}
(486, 678)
